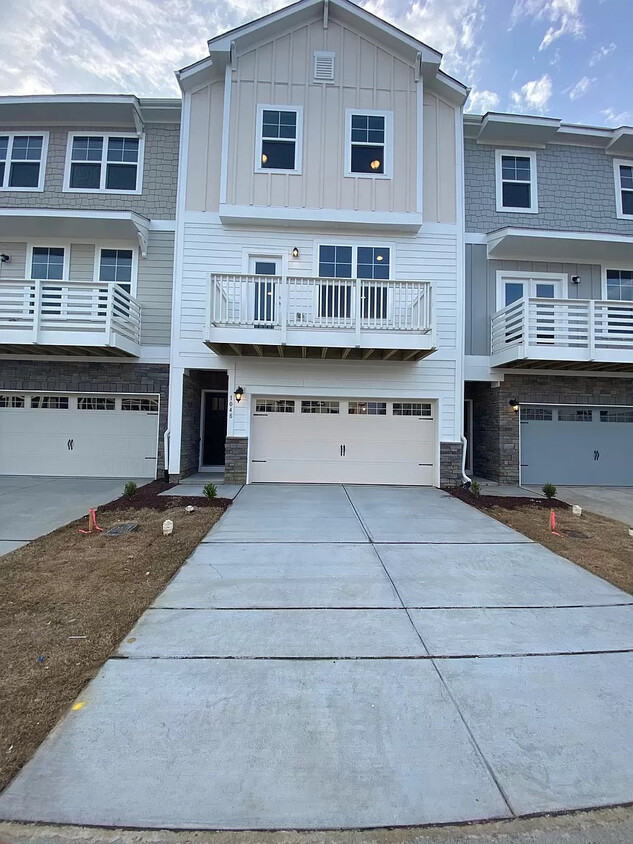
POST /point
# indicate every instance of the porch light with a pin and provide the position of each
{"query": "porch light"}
(295, 252)
(238, 394)
(375, 164)
(514, 404)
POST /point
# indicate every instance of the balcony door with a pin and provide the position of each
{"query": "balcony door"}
(265, 290)
(511, 287)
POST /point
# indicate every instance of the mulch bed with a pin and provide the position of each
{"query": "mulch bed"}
(68, 600)
(507, 502)
(148, 497)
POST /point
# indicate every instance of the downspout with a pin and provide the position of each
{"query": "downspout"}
(465, 479)
(166, 455)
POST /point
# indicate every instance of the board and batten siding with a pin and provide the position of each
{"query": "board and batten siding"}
(481, 290)
(208, 248)
(367, 76)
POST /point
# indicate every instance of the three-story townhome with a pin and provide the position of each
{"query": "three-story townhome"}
(87, 220)
(549, 300)
(318, 310)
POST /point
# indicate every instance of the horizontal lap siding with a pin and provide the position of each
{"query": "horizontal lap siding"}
(154, 289)
(15, 267)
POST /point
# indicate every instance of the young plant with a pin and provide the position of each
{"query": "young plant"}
(129, 489)
(475, 488)
(549, 490)
(210, 490)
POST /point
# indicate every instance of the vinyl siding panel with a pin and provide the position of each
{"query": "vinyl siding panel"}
(82, 262)
(154, 289)
(439, 175)
(16, 267)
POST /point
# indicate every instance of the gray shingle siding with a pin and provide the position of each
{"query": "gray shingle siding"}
(160, 176)
(576, 191)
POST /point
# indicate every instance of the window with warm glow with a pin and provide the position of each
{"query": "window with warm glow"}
(278, 140)
(368, 143)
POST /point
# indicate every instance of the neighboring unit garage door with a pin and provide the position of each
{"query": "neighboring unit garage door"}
(339, 441)
(85, 435)
(577, 446)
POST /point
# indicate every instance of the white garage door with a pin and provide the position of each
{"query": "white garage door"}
(340, 441)
(84, 435)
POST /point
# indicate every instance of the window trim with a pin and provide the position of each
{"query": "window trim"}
(520, 153)
(47, 243)
(355, 245)
(298, 110)
(104, 153)
(523, 275)
(388, 165)
(43, 159)
(617, 163)
(100, 246)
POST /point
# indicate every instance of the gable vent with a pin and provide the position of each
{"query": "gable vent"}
(323, 67)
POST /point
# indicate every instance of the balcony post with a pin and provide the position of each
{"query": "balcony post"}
(37, 310)
(591, 325)
(526, 325)
(109, 309)
(357, 312)
(284, 309)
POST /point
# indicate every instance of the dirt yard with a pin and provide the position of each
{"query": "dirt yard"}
(67, 601)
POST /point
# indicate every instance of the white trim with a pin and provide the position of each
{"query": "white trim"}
(299, 217)
(460, 293)
(30, 133)
(617, 163)
(224, 150)
(298, 110)
(355, 245)
(47, 243)
(162, 225)
(468, 418)
(137, 219)
(476, 237)
(419, 206)
(104, 163)
(119, 246)
(521, 153)
(387, 147)
(504, 276)
(612, 265)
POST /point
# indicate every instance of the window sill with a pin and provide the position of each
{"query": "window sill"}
(103, 191)
(502, 210)
(22, 190)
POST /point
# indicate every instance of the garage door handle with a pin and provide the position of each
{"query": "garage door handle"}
(342, 451)
(70, 444)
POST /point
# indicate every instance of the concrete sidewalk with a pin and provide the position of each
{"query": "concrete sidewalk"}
(345, 657)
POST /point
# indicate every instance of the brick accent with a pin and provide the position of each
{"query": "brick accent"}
(92, 377)
(160, 176)
(496, 425)
(190, 441)
(450, 464)
(236, 460)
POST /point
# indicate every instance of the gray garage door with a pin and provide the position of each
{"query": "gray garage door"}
(577, 445)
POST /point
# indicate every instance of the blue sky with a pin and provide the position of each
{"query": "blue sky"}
(565, 58)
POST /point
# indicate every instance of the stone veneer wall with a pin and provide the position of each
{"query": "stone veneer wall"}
(236, 460)
(450, 464)
(40, 374)
(496, 425)
(190, 437)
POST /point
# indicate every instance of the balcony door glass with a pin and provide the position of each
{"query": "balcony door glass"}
(47, 263)
(373, 263)
(115, 267)
(265, 291)
(335, 296)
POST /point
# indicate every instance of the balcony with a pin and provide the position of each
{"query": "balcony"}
(564, 334)
(333, 318)
(68, 317)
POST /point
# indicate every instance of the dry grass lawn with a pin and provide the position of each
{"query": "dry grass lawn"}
(607, 551)
(67, 601)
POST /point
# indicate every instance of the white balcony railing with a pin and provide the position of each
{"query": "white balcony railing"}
(563, 329)
(68, 313)
(308, 311)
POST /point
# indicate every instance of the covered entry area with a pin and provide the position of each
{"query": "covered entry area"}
(573, 445)
(324, 440)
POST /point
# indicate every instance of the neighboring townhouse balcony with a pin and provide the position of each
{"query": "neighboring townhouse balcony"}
(563, 333)
(68, 317)
(337, 318)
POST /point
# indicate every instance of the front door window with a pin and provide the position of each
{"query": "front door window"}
(265, 292)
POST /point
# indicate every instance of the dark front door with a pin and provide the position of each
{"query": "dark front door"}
(214, 429)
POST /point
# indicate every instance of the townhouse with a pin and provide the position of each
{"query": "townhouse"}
(549, 301)
(87, 220)
(318, 302)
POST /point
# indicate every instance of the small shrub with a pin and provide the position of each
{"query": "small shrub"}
(210, 490)
(475, 488)
(129, 489)
(549, 491)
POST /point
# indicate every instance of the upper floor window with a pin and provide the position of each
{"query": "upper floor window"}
(368, 142)
(624, 188)
(116, 266)
(104, 163)
(279, 139)
(516, 181)
(23, 161)
(620, 285)
(347, 262)
(48, 262)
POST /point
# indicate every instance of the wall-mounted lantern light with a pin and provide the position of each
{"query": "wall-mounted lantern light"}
(238, 394)
(514, 404)
(295, 252)
(5, 258)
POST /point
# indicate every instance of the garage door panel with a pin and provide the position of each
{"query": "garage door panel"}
(342, 448)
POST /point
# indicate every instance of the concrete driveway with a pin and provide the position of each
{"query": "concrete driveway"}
(33, 506)
(351, 657)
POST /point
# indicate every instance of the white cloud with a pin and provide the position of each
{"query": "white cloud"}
(601, 53)
(482, 101)
(533, 96)
(617, 118)
(563, 17)
(581, 87)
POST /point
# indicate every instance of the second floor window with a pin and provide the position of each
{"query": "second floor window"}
(47, 262)
(368, 143)
(22, 161)
(278, 139)
(620, 285)
(347, 262)
(624, 188)
(115, 266)
(104, 163)
(516, 181)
